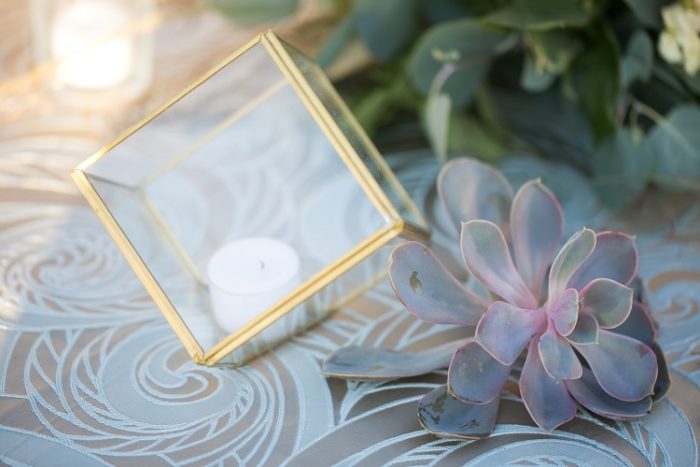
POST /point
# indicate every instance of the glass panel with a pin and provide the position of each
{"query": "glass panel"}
(238, 159)
(361, 144)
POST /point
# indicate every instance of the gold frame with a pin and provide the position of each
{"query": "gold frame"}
(396, 225)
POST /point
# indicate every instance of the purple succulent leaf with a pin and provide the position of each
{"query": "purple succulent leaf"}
(624, 367)
(663, 379)
(564, 312)
(448, 417)
(570, 257)
(470, 189)
(536, 227)
(590, 395)
(428, 290)
(487, 257)
(608, 301)
(557, 356)
(372, 363)
(641, 326)
(615, 257)
(547, 400)
(638, 325)
(474, 376)
(505, 330)
(586, 330)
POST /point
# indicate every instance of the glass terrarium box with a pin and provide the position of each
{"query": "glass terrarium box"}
(251, 204)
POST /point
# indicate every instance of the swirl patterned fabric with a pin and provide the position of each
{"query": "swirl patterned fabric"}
(90, 373)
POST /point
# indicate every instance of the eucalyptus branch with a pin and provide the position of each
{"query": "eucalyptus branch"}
(450, 68)
(647, 111)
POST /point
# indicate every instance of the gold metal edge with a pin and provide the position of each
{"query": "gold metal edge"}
(310, 287)
(137, 265)
(329, 127)
(414, 232)
(135, 127)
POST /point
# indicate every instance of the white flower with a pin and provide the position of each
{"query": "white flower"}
(669, 49)
(680, 40)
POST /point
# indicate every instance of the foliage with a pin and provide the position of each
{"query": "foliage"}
(589, 341)
(624, 75)
(249, 12)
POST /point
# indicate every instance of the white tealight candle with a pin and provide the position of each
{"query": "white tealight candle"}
(85, 40)
(248, 276)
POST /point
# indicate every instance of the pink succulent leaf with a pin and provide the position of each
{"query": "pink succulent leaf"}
(615, 257)
(446, 416)
(487, 257)
(589, 394)
(638, 325)
(428, 290)
(608, 301)
(586, 330)
(470, 189)
(547, 400)
(564, 312)
(558, 358)
(536, 227)
(505, 330)
(372, 363)
(570, 257)
(624, 367)
(474, 376)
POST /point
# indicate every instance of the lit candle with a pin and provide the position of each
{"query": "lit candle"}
(248, 276)
(86, 43)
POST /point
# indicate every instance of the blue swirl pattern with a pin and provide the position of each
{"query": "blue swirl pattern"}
(91, 373)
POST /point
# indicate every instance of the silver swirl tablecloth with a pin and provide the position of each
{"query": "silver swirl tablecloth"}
(90, 373)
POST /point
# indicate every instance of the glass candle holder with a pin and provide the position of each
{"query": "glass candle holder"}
(251, 204)
(96, 52)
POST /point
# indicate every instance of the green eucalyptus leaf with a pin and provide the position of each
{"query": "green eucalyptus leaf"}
(675, 144)
(670, 76)
(648, 12)
(476, 46)
(335, 44)
(385, 26)
(692, 83)
(638, 60)
(535, 80)
(553, 125)
(623, 165)
(553, 50)
(379, 103)
(664, 91)
(467, 135)
(437, 120)
(595, 79)
(250, 12)
(371, 107)
(437, 11)
(540, 15)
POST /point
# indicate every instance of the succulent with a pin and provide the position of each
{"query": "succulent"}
(589, 340)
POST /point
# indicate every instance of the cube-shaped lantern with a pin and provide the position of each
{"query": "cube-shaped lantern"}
(251, 204)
